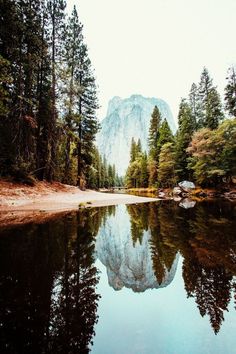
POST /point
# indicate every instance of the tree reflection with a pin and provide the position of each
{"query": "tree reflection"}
(205, 237)
(139, 221)
(48, 299)
(209, 260)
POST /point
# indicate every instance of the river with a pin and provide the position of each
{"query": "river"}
(153, 278)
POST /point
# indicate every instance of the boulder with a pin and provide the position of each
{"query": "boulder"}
(177, 198)
(186, 186)
(161, 195)
(177, 191)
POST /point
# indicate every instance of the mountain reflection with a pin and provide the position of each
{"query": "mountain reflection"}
(48, 300)
(129, 260)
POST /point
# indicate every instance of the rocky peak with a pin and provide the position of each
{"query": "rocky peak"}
(127, 118)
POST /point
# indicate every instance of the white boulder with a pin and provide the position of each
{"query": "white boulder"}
(186, 185)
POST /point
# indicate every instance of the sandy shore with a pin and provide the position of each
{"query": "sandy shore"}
(71, 200)
(20, 204)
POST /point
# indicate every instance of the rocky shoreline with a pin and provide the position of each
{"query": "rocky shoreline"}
(187, 189)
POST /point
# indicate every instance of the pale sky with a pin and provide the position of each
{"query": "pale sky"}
(157, 48)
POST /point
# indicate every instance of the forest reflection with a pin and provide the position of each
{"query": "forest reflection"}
(206, 239)
(48, 277)
(48, 299)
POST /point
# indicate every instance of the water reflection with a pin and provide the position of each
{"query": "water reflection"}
(48, 280)
(205, 237)
(129, 260)
(48, 300)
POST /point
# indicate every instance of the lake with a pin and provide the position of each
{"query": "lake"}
(153, 278)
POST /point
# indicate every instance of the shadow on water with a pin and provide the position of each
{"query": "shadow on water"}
(48, 280)
(48, 300)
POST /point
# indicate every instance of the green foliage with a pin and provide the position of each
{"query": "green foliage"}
(230, 92)
(101, 174)
(5, 81)
(48, 94)
(213, 154)
(165, 135)
(154, 133)
(211, 109)
(183, 138)
(137, 172)
(166, 170)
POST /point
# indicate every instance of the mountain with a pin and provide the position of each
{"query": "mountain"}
(128, 265)
(127, 118)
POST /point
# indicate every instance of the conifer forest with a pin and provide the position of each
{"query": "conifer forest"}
(48, 97)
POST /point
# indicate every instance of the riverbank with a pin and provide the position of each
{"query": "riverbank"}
(21, 204)
(56, 196)
(177, 193)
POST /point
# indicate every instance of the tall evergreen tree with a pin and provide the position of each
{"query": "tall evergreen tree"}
(20, 45)
(45, 122)
(230, 92)
(133, 151)
(72, 59)
(165, 135)
(186, 127)
(56, 14)
(195, 105)
(87, 124)
(211, 113)
(144, 170)
(152, 142)
(154, 133)
(166, 171)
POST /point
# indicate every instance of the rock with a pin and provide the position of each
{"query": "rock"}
(161, 195)
(177, 199)
(177, 191)
(127, 118)
(230, 195)
(186, 186)
(187, 203)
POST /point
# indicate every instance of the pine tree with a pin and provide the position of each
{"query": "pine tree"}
(152, 142)
(186, 127)
(165, 135)
(45, 123)
(211, 109)
(166, 171)
(20, 45)
(138, 148)
(230, 92)
(71, 91)
(133, 151)
(56, 16)
(154, 133)
(87, 124)
(144, 170)
(195, 105)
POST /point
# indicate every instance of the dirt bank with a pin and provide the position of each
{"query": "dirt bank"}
(52, 197)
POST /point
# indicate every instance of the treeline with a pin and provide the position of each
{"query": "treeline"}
(48, 96)
(204, 147)
(103, 174)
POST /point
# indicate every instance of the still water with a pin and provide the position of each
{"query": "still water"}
(152, 278)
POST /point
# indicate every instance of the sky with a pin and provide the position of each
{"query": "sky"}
(157, 48)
